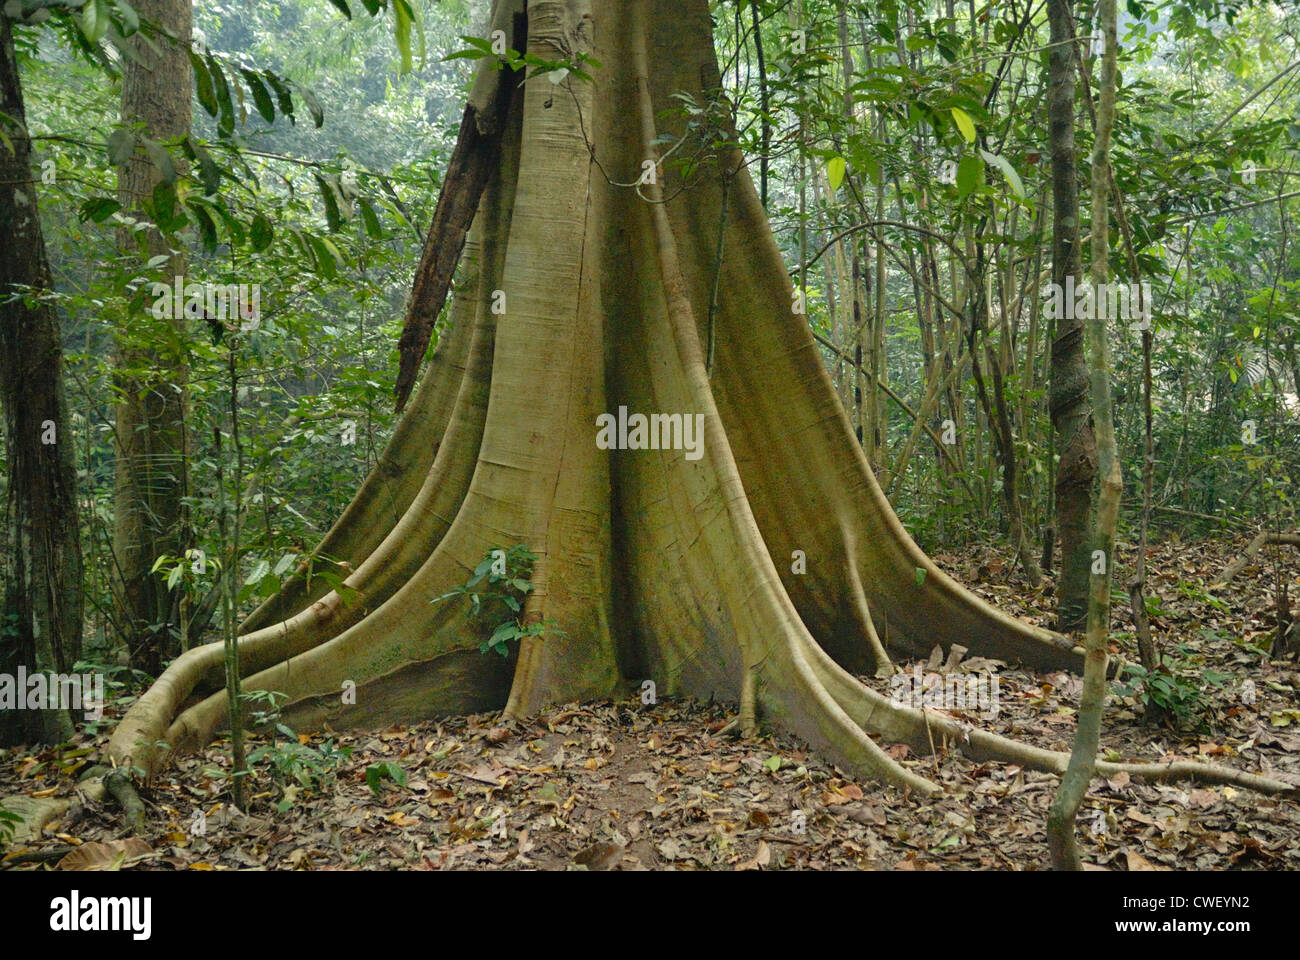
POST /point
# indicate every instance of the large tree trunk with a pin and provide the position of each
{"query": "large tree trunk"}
(1068, 390)
(152, 456)
(655, 564)
(42, 604)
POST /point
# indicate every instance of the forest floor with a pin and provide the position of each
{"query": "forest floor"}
(622, 785)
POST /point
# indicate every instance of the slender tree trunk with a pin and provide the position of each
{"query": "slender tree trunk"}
(152, 466)
(42, 603)
(1148, 652)
(1068, 389)
(228, 524)
(1092, 699)
(763, 105)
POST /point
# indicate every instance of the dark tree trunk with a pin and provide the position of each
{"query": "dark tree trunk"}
(42, 603)
(1068, 392)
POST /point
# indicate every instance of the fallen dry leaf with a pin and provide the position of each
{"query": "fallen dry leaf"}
(761, 859)
(1138, 862)
(106, 856)
(600, 856)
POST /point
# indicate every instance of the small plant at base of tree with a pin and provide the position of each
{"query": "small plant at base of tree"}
(384, 770)
(289, 759)
(507, 586)
(1176, 688)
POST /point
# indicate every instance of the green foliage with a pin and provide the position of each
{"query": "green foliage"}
(1194, 591)
(8, 827)
(255, 201)
(505, 587)
(555, 70)
(120, 682)
(376, 773)
(1178, 687)
(293, 765)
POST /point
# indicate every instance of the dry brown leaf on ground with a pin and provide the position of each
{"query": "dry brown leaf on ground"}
(112, 855)
(1138, 862)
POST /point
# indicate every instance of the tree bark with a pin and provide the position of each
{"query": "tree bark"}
(150, 518)
(42, 576)
(477, 152)
(1068, 388)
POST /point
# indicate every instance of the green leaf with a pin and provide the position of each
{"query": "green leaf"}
(835, 172)
(328, 257)
(207, 226)
(920, 575)
(203, 83)
(99, 209)
(259, 571)
(130, 19)
(342, 8)
(282, 95)
(1008, 171)
(261, 232)
(773, 763)
(226, 122)
(313, 106)
(209, 172)
(402, 30)
(384, 771)
(164, 208)
(330, 196)
(161, 159)
(964, 123)
(94, 20)
(121, 147)
(969, 173)
(261, 96)
(373, 226)
(504, 632)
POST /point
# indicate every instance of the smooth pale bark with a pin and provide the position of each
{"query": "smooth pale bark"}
(42, 575)
(151, 444)
(654, 564)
